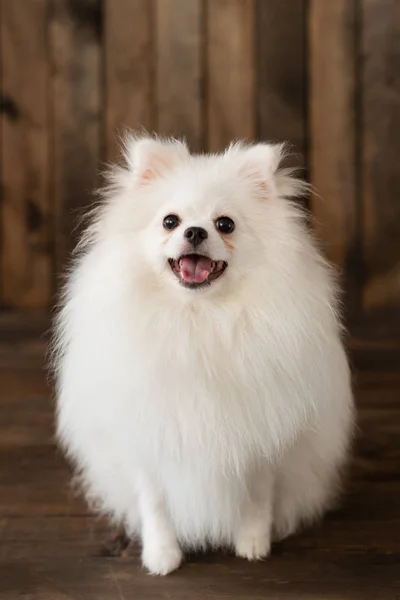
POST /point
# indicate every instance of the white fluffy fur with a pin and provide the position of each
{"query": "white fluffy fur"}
(220, 416)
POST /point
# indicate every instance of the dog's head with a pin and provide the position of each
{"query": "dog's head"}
(204, 222)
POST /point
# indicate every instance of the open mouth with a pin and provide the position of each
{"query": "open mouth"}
(194, 270)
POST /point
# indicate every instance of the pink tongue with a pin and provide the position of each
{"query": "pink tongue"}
(195, 269)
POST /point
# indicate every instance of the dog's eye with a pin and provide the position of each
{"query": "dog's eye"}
(225, 225)
(171, 221)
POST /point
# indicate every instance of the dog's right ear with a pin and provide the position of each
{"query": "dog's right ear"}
(150, 158)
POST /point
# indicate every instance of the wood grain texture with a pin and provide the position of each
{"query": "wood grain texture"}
(26, 213)
(333, 145)
(230, 72)
(179, 69)
(380, 151)
(281, 73)
(75, 32)
(322, 75)
(51, 546)
(129, 64)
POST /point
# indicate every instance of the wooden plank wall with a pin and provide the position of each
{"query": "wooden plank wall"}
(26, 210)
(321, 74)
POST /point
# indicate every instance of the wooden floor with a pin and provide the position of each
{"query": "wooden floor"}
(50, 547)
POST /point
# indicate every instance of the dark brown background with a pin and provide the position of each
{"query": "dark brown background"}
(322, 74)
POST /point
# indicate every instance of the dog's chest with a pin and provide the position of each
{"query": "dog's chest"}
(208, 356)
(202, 386)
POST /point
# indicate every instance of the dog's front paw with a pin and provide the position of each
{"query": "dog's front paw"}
(162, 559)
(253, 546)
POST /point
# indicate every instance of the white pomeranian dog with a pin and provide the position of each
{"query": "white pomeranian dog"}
(203, 392)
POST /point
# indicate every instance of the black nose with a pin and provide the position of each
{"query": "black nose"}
(196, 235)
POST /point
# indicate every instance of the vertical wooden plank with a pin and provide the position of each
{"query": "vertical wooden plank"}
(129, 61)
(179, 69)
(381, 151)
(281, 71)
(1, 158)
(230, 71)
(333, 145)
(75, 32)
(25, 210)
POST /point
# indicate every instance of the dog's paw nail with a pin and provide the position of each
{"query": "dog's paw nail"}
(252, 546)
(162, 560)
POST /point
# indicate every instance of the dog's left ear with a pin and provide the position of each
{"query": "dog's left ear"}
(261, 163)
(151, 158)
(263, 159)
(258, 162)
